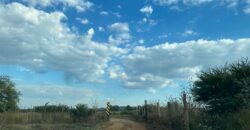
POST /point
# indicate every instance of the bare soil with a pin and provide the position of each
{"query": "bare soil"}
(124, 124)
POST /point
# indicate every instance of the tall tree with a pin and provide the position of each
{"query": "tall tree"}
(224, 90)
(9, 96)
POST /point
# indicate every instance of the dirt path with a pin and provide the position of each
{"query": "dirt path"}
(123, 124)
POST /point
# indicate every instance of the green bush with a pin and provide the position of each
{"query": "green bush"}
(81, 112)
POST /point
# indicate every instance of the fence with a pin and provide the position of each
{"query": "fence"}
(171, 112)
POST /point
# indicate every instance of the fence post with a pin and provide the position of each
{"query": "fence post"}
(108, 113)
(185, 112)
(158, 109)
(146, 110)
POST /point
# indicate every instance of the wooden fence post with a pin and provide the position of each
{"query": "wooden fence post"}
(108, 113)
(185, 112)
(158, 109)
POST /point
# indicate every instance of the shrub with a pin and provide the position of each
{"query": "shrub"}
(80, 112)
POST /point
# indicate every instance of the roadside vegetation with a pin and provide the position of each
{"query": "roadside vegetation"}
(218, 100)
(45, 117)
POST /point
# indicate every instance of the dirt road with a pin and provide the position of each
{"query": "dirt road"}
(123, 124)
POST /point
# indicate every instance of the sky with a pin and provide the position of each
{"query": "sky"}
(122, 51)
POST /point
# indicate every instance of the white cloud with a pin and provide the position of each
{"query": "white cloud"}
(161, 65)
(115, 71)
(117, 14)
(166, 2)
(85, 21)
(141, 41)
(104, 13)
(101, 29)
(80, 5)
(144, 20)
(152, 22)
(119, 27)
(147, 10)
(232, 3)
(163, 35)
(120, 33)
(196, 2)
(40, 41)
(181, 4)
(188, 33)
(246, 10)
(91, 32)
(147, 21)
(186, 2)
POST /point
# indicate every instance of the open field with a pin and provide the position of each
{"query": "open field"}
(47, 121)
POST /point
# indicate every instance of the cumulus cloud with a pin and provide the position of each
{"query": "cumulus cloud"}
(79, 5)
(162, 65)
(147, 10)
(182, 4)
(40, 41)
(120, 33)
(91, 32)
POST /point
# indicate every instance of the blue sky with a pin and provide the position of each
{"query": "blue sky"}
(78, 51)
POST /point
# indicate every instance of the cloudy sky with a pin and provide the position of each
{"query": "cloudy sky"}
(125, 51)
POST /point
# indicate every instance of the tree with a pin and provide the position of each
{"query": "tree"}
(115, 108)
(129, 108)
(224, 90)
(9, 96)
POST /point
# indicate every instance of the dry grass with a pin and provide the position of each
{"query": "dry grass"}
(172, 118)
(34, 117)
(47, 121)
